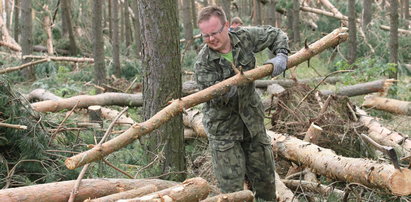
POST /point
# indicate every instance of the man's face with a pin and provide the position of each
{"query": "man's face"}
(214, 33)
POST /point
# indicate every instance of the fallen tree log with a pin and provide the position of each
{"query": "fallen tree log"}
(12, 69)
(386, 104)
(133, 193)
(356, 170)
(84, 101)
(307, 186)
(240, 196)
(89, 188)
(384, 136)
(60, 58)
(176, 107)
(283, 193)
(194, 189)
(361, 88)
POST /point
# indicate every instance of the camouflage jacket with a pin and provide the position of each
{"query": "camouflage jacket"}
(225, 120)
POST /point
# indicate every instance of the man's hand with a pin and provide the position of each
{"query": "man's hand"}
(279, 62)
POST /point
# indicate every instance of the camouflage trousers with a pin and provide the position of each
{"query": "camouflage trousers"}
(251, 157)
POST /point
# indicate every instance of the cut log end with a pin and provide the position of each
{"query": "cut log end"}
(70, 164)
(401, 182)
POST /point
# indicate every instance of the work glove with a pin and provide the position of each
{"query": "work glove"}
(229, 94)
(279, 62)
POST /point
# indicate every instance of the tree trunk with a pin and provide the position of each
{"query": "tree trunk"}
(394, 37)
(127, 24)
(290, 20)
(389, 105)
(296, 23)
(193, 189)
(187, 20)
(334, 10)
(177, 106)
(361, 88)
(225, 4)
(356, 170)
(366, 13)
(194, 13)
(16, 17)
(352, 38)
(161, 64)
(65, 6)
(240, 196)
(115, 38)
(47, 27)
(83, 101)
(136, 23)
(141, 191)
(256, 18)
(384, 136)
(26, 38)
(99, 64)
(270, 13)
(89, 188)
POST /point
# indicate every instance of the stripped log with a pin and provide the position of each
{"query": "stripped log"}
(194, 189)
(355, 170)
(362, 88)
(386, 104)
(176, 107)
(133, 193)
(283, 193)
(89, 188)
(313, 187)
(121, 99)
(383, 135)
(239, 196)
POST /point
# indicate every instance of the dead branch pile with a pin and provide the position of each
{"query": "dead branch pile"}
(298, 107)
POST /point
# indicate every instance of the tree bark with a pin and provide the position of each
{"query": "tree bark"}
(240, 196)
(352, 31)
(133, 193)
(83, 101)
(383, 135)
(296, 23)
(389, 105)
(65, 7)
(16, 17)
(47, 29)
(361, 88)
(356, 170)
(26, 38)
(98, 48)
(127, 24)
(89, 188)
(161, 64)
(115, 38)
(193, 189)
(136, 23)
(366, 13)
(393, 45)
(187, 20)
(177, 106)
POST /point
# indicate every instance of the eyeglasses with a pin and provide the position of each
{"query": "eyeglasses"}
(207, 36)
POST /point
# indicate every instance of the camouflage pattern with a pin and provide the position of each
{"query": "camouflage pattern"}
(235, 128)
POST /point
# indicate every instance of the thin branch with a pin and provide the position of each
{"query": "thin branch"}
(7, 125)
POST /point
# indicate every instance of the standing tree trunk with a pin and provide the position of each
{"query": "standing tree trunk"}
(136, 23)
(194, 13)
(26, 38)
(110, 24)
(366, 13)
(115, 38)
(394, 37)
(352, 30)
(226, 4)
(406, 7)
(16, 15)
(47, 28)
(99, 65)
(65, 7)
(161, 64)
(290, 17)
(187, 21)
(127, 24)
(296, 22)
(270, 13)
(256, 13)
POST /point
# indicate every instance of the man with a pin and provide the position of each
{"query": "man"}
(236, 22)
(234, 122)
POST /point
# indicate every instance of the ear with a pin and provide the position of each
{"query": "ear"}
(227, 24)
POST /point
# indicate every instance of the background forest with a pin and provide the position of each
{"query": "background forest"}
(138, 56)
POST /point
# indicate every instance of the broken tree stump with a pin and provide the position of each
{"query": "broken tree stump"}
(386, 104)
(357, 170)
(194, 189)
(89, 188)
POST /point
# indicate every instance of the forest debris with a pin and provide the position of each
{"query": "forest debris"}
(361, 88)
(15, 126)
(193, 189)
(307, 186)
(389, 151)
(239, 196)
(178, 106)
(358, 170)
(25, 65)
(387, 104)
(89, 188)
(283, 193)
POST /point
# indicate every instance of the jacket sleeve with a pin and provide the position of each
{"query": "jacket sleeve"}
(267, 37)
